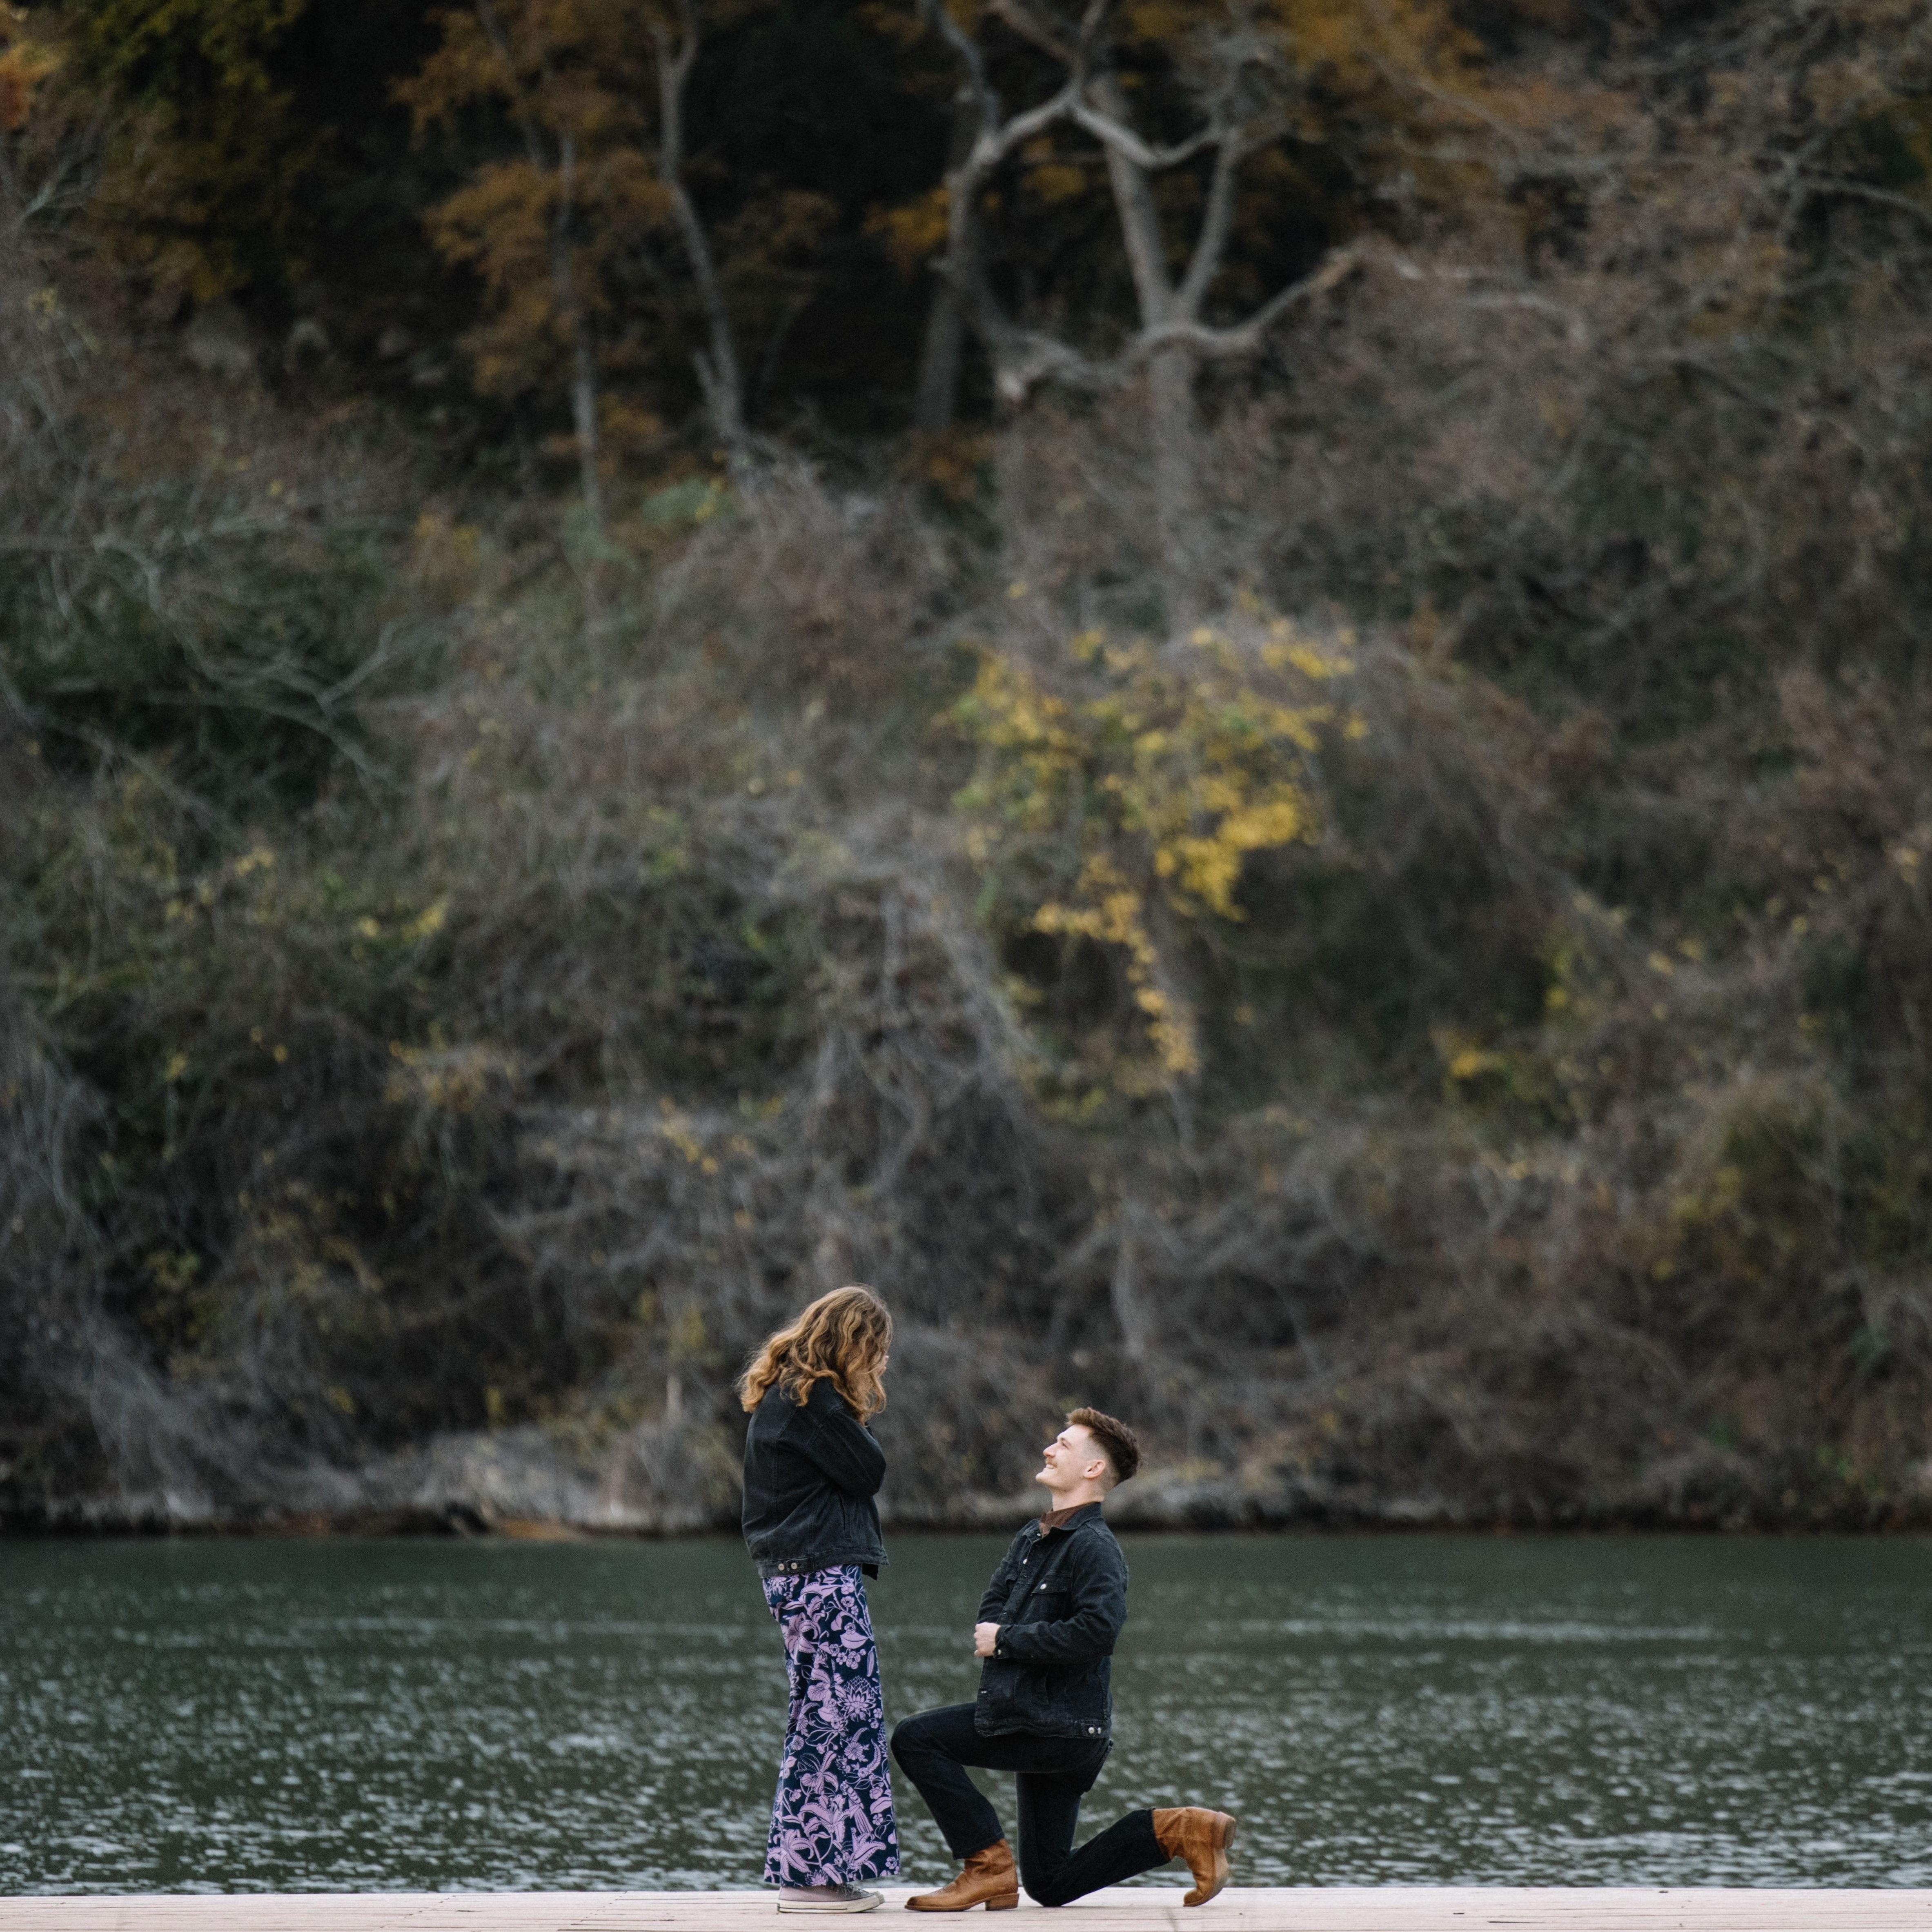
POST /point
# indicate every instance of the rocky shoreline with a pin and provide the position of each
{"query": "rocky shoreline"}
(522, 1483)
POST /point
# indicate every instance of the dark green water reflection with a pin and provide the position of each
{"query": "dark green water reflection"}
(352, 1715)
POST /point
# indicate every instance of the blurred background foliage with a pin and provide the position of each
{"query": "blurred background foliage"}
(1238, 697)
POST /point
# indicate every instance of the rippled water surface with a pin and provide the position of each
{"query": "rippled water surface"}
(354, 1715)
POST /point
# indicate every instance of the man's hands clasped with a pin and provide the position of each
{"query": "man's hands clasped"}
(986, 1640)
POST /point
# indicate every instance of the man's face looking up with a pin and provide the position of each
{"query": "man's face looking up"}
(1071, 1458)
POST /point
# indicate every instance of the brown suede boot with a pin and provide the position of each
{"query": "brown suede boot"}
(1202, 1837)
(989, 1877)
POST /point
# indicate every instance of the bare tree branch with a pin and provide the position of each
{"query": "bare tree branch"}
(1881, 197)
(1031, 29)
(994, 145)
(1025, 357)
(1211, 243)
(1116, 136)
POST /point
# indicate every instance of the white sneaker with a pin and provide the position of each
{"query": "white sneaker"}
(829, 1898)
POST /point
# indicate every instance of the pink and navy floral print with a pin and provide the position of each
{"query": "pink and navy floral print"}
(831, 1821)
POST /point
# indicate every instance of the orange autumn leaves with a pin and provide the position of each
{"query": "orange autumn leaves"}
(545, 228)
(23, 66)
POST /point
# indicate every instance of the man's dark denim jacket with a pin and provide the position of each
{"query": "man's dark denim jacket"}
(811, 1473)
(1059, 1597)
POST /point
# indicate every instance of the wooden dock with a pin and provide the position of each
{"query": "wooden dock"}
(1140, 1909)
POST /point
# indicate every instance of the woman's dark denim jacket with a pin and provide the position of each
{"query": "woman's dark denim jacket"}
(1059, 1597)
(811, 1473)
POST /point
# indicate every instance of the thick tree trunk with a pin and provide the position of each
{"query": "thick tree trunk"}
(936, 397)
(1170, 381)
(1174, 428)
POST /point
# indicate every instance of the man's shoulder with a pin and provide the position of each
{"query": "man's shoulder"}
(1096, 1535)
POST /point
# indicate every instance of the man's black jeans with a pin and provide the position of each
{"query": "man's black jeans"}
(934, 1750)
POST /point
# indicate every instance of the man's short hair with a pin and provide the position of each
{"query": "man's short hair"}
(1116, 1441)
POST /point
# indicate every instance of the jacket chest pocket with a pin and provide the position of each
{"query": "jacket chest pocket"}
(1047, 1605)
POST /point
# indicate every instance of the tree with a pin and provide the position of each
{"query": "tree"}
(1115, 810)
(594, 92)
(537, 228)
(674, 41)
(201, 159)
(1237, 83)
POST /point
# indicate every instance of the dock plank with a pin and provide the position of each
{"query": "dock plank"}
(1139, 1909)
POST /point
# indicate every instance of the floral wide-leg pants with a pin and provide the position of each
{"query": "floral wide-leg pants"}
(831, 1821)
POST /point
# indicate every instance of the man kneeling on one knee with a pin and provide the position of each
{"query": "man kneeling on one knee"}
(1048, 1625)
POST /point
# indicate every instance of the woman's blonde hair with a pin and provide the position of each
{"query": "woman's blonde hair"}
(842, 1338)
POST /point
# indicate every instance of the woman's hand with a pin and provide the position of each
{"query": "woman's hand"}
(986, 1640)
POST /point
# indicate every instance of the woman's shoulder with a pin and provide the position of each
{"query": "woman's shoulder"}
(824, 1399)
(776, 1408)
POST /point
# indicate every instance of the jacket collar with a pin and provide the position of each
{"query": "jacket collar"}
(1086, 1512)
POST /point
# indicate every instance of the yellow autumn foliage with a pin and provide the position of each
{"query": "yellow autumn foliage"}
(1131, 798)
(913, 233)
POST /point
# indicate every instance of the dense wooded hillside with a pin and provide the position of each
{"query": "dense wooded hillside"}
(1235, 692)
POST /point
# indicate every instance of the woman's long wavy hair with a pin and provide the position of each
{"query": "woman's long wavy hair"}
(842, 1338)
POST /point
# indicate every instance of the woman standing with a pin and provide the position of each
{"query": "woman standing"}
(811, 1470)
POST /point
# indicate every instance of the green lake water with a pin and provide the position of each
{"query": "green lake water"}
(355, 1715)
